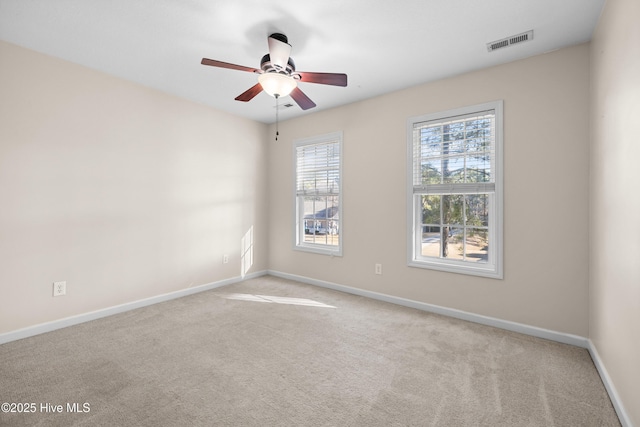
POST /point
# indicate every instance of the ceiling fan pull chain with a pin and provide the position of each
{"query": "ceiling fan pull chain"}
(277, 133)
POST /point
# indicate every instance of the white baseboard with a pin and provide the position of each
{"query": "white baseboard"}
(458, 314)
(109, 311)
(608, 384)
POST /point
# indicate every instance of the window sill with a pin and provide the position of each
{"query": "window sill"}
(489, 271)
(319, 250)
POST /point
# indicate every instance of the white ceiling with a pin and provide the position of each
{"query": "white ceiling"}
(383, 46)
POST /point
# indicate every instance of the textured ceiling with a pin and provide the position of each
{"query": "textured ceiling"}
(383, 46)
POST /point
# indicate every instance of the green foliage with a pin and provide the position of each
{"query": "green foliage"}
(431, 209)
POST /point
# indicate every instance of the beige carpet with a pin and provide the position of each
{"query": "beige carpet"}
(271, 352)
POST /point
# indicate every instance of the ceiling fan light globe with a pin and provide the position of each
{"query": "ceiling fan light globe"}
(276, 84)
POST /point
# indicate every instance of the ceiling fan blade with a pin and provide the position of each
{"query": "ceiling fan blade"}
(334, 79)
(279, 50)
(301, 99)
(249, 94)
(214, 63)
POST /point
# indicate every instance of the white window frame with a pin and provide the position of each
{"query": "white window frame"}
(492, 269)
(299, 230)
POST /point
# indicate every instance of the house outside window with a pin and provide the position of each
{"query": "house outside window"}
(318, 194)
(454, 194)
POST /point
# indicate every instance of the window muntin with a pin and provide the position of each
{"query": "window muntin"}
(454, 196)
(318, 171)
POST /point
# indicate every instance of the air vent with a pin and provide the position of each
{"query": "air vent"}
(506, 42)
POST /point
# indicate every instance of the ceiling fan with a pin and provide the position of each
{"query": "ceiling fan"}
(278, 76)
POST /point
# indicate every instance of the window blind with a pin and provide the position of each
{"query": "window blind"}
(318, 169)
(455, 155)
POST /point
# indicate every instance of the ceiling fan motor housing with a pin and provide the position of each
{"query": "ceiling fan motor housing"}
(267, 67)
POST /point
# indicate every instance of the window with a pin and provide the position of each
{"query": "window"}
(318, 171)
(454, 200)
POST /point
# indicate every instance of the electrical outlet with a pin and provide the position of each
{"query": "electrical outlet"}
(225, 259)
(379, 269)
(59, 289)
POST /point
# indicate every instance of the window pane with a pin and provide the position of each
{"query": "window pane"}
(309, 209)
(430, 243)
(333, 220)
(478, 127)
(321, 220)
(430, 210)
(431, 141)
(452, 209)
(479, 145)
(477, 210)
(477, 245)
(453, 146)
(431, 171)
(454, 134)
(452, 244)
(452, 169)
(478, 169)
